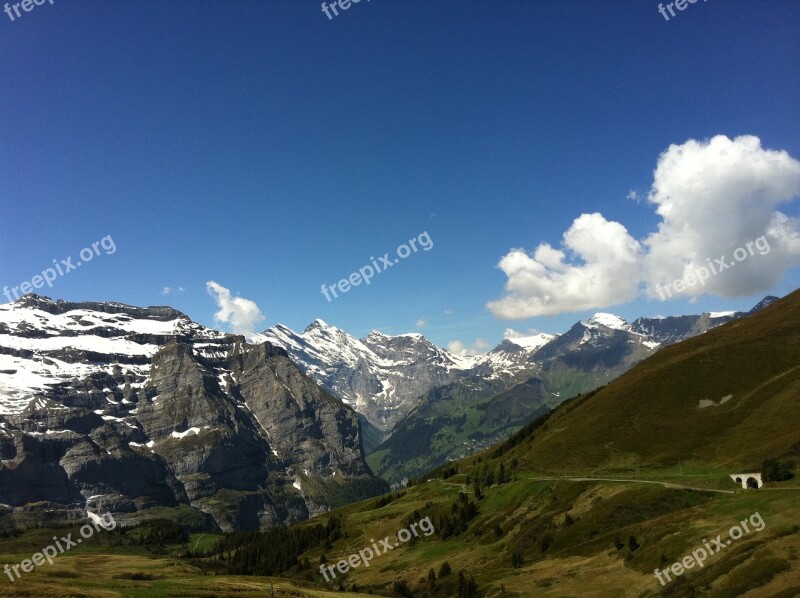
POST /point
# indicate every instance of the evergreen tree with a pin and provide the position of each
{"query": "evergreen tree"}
(471, 589)
(467, 588)
(401, 587)
(489, 479)
(477, 487)
(432, 580)
(501, 475)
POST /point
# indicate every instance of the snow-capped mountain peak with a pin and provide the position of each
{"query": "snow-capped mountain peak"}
(721, 314)
(382, 376)
(318, 324)
(535, 341)
(377, 334)
(608, 320)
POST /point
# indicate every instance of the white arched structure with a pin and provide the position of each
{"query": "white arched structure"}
(748, 480)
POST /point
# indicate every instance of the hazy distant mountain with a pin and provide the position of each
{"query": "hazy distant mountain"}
(456, 420)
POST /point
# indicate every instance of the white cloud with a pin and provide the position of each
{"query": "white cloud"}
(421, 323)
(712, 197)
(458, 348)
(633, 195)
(603, 270)
(166, 291)
(242, 314)
(449, 312)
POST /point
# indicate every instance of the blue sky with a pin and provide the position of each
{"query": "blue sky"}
(272, 150)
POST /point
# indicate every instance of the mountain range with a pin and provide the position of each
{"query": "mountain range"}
(423, 406)
(105, 406)
(385, 377)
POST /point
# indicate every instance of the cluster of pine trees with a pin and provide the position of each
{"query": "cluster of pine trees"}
(455, 522)
(778, 470)
(489, 474)
(449, 471)
(277, 550)
(153, 534)
(387, 499)
(157, 532)
(439, 585)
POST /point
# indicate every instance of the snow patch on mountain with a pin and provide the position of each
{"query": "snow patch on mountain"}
(535, 341)
(381, 376)
(44, 343)
(607, 320)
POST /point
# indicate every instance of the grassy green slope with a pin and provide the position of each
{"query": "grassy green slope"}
(651, 415)
(563, 533)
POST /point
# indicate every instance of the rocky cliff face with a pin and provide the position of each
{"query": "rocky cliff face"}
(111, 407)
